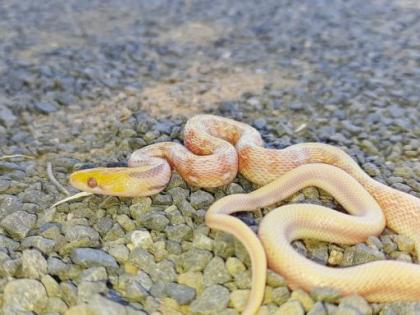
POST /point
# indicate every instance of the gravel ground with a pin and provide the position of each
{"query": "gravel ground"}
(90, 81)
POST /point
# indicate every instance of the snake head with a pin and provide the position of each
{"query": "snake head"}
(102, 180)
(144, 180)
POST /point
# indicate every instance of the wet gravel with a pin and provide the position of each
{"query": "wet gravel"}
(86, 83)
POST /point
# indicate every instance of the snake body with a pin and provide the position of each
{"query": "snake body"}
(216, 148)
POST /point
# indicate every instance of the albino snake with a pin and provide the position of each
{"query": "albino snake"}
(216, 148)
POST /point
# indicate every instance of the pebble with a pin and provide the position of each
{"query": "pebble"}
(360, 254)
(18, 224)
(34, 265)
(213, 299)
(183, 294)
(45, 245)
(87, 289)
(45, 108)
(216, 272)
(325, 294)
(303, 298)
(290, 308)
(154, 221)
(51, 286)
(356, 302)
(317, 309)
(7, 118)
(28, 294)
(179, 232)
(89, 257)
(238, 299)
(195, 259)
(141, 238)
(280, 295)
(201, 199)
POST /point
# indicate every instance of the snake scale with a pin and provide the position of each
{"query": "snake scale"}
(216, 148)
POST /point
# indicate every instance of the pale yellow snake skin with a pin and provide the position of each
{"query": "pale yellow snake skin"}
(216, 148)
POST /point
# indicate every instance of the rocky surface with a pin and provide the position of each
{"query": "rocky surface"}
(84, 83)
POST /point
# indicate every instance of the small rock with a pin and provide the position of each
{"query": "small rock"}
(290, 308)
(280, 295)
(69, 292)
(304, 298)
(371, 169)
(179, 232)
(356, 302)
(99, 305)
(141, 238)
(181, 293)
(55, 305)
(360, 254)
(155, 221)
(45, 245)
(234, 188)
(202, 241)
(318, 309)
(28, 294)
(213, 299)
(201, 199)
(192, 279)
(45, 108)
(34, 264)
(94, 274)
(7, 118)
(274, 279)
(243, 279)
(19, 223)
(239, 299)
(9, 204)
(325, 294)
(51, 286)
(120, 252)
(87, 289)
(89, 257)
(234, 266)
(216, 272)
(195, 259)
(8, 243)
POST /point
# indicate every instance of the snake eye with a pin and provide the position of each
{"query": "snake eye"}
(92, 183)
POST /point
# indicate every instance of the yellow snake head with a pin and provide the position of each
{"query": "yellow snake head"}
(144, 180)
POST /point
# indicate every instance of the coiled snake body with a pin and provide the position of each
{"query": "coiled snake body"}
(216, 148)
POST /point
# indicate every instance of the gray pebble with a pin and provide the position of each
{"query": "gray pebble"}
(213, 299)
(216, 272)
(201, 199)
(280, 295)
(6, 242)
(360, 254)
(154, 221)
(28, 294)
(195, 259)
(45, 245)
(318, 309)
(179, 232)
(89, 257)
(19, 223)
(356, 302)
(325, 294)
(183, 294)
(45, 108)
(87, 289)
(7, 118)
(34, 265)
(291, 308)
